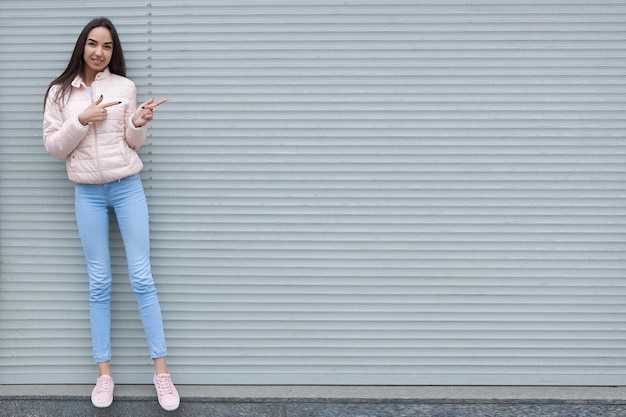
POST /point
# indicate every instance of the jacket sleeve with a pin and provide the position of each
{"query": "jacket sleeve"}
(60, 136)
(135, 136)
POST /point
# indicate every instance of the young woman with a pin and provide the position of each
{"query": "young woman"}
(91, 120)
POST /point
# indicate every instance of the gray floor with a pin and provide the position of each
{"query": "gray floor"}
(320, 401)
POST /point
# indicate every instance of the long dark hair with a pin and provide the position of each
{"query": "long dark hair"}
(76, 63)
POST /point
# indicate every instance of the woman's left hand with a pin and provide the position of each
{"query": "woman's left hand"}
(145, 112)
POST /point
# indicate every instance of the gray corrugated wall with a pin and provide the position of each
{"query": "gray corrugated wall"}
(359, 192)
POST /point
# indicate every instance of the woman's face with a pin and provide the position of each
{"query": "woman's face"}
(98, 51)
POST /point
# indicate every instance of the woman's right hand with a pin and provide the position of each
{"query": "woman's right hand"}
(96, 112)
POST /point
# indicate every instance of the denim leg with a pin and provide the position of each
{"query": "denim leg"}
(92, 216)
(129, 201)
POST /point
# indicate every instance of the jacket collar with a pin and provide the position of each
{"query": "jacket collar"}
(78, 81)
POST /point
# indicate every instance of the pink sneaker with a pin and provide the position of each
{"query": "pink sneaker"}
(102, 394)
(166, 391)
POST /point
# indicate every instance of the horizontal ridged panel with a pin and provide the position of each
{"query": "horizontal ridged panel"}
(342, 193)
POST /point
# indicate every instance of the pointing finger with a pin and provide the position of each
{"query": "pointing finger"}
(146, 103)
(150, 104)
(158, 103)
(111, 103)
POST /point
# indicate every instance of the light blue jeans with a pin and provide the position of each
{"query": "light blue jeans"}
(127, 198)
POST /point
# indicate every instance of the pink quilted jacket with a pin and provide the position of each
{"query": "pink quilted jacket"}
(100, 152)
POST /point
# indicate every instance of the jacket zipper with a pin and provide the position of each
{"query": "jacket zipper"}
(95, 138)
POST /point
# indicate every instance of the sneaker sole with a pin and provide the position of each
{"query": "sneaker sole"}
(102, 405)
(168, 408)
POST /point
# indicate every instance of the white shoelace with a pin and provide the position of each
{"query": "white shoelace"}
(164, 385)
(104, 385)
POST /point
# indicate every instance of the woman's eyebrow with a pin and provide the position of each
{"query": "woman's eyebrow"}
(93, 40)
